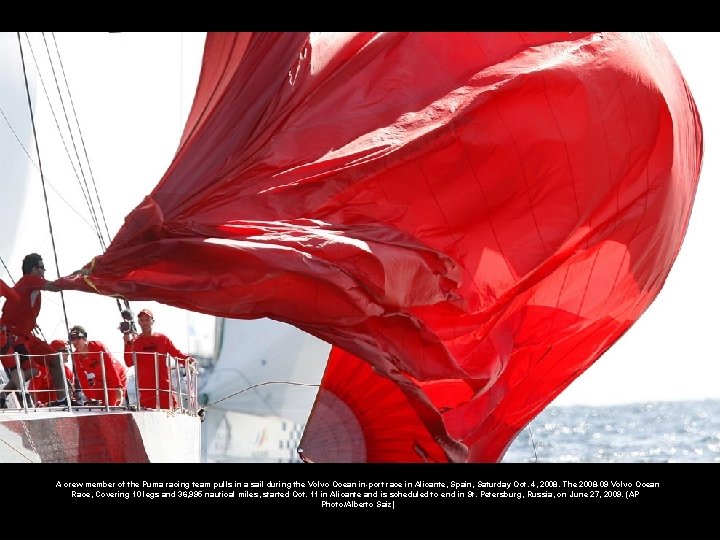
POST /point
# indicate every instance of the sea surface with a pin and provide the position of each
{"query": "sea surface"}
(652, 432)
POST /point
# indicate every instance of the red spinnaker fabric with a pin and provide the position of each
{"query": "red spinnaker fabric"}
(477, 216)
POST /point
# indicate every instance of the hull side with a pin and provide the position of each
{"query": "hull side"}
(99, 437)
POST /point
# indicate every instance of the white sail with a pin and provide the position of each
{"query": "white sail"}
(15, 141)
(260, 391)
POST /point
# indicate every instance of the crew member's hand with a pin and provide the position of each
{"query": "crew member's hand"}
(191, 364)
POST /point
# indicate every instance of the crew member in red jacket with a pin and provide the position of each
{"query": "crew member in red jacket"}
(151, 351)
(95, 375)
(19, 316)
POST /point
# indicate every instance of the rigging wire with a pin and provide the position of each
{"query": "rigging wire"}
(78, 389)
(74, 144)
(251, 387)
(7, 270)
(76, 163)
(72, 162)
(95, 209)
(30, 158)
(103, 245)
(42, 176)
(82, 180)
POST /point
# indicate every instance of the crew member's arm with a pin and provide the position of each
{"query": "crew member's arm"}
(181, 357)
(50, 286)
(129, 338)
(8, 292)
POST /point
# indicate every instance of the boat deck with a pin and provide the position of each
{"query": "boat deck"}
(98, 433)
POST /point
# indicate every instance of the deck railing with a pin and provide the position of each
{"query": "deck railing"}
(179, 395)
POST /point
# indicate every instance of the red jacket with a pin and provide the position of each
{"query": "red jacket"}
(90, 371)
(21, 310)
(145, 349)
(19, 315)
(41, 384)
(7, 291)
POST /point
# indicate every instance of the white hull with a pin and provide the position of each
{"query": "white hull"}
(87, 436)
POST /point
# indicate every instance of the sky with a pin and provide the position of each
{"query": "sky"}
(131, 93)
(671, 352)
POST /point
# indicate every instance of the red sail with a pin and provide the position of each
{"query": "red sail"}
(477, 216)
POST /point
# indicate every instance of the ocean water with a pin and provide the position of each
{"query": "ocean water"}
(653, 432)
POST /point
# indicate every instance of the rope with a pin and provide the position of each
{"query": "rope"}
(82, 180)
(7, 270)
(103, 245)
(42, 175)
(257, 386)
(77, 163)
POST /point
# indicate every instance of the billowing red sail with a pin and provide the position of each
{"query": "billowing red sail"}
(476, 216)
